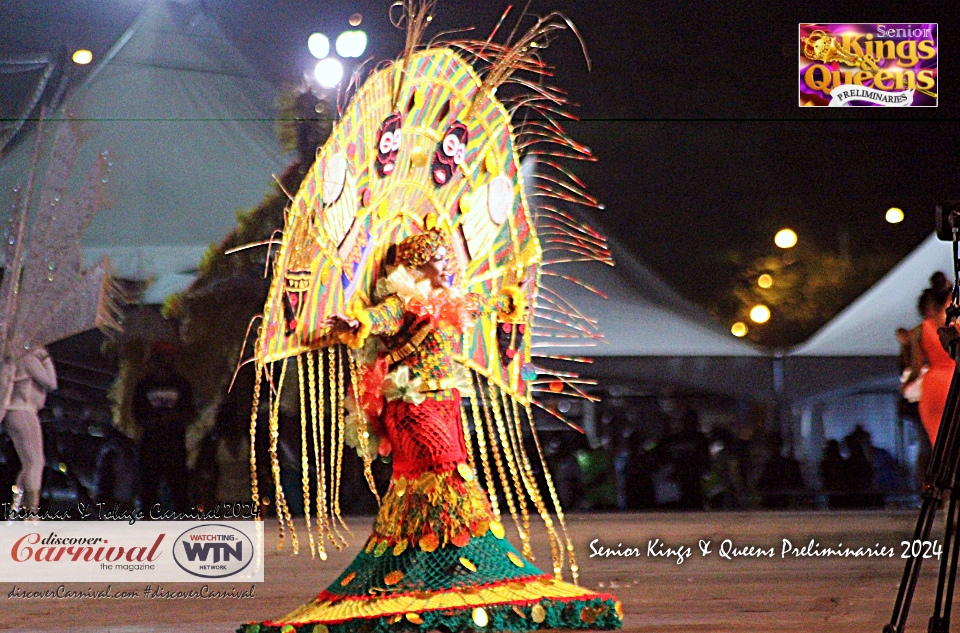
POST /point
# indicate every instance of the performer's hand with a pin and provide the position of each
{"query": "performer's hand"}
(339, 324)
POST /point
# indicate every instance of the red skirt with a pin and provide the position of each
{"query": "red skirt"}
(426, 436)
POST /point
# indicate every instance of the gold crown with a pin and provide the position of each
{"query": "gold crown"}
(417, 250)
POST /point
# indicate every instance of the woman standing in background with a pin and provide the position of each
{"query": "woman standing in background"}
(35, 376)
(928, 351)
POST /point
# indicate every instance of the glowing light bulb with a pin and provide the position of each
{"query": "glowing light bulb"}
(328, 72)
(319, 45)
(894, 215)
(739, 329)
(785, 238)
(351, 43)
(765, 281)
(760, 313)
(82, 57)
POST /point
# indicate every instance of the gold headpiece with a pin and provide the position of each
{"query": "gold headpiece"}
(417, 250)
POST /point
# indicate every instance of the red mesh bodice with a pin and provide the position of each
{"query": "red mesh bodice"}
(425, 436)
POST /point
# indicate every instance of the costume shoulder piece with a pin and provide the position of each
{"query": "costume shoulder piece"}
(425, 143)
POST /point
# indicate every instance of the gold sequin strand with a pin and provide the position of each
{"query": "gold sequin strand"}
(482, 448)
(254, 487)
(322, 527)
(336, 415)
(509, 453)
(341, 429)
(467, 436)
(282, 510)
(498, 459)
(304, 454)
(574, 569)
(363, 431)
(513, 417)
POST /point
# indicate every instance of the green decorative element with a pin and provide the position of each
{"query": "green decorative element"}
(437, 570)
(502, 617)
(250, 628)
(287, 628)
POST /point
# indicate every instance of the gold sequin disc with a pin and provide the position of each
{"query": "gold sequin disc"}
(589, 615)
(497, 528)
(399, 548)
(480, 617)
(414, 618)
(466, 562)
(465, 471)
(430, 542)
(538, 614)
(515, 559)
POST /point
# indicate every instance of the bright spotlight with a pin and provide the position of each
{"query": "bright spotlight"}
(82, 57)
(328, 72)
(894, 215)
(351, 43)
(765, 281)
(739, 329)
(319, 45)
(760, 313)
(785, 238)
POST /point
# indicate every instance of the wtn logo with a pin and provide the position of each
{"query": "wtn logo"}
(215, 551)
(221, 551)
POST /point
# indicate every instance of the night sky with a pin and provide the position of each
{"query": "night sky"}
(690, 108)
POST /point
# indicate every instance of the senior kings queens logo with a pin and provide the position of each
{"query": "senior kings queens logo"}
(868, 65)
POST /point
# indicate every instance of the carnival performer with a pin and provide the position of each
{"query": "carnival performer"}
(35, 376)
(437, 556)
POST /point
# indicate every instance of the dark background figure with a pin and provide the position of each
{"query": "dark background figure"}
(116, 475)
(908, 405)
(564, 449)
(688, 453)
(163, 406)
(860, 470)
(781, 483)
(639, 489)
(832, 476)
(726, 477)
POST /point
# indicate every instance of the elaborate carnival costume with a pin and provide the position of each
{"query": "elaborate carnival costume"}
(46, 295)
(414, 224)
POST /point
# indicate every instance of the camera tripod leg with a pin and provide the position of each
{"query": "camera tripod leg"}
(940, 620)
(911, 571)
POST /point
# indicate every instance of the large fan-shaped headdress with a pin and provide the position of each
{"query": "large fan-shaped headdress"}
(425, 147)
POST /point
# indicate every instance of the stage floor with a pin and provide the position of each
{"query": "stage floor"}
(703, 593)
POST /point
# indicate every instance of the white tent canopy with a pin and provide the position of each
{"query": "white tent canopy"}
(641, 315)
(189, 126)
(867, 326)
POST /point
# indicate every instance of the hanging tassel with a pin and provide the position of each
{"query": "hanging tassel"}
(317, 432)
(304, 455)
(363, 431)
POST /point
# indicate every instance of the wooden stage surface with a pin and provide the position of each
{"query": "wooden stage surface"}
(703, 593)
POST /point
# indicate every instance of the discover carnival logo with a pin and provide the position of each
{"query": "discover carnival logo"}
(864, 65)
(149, 551)
(213, 551)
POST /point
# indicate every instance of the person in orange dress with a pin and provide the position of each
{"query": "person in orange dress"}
(928, 351)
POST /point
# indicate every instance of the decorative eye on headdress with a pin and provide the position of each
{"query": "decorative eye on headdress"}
(388, 144)
(451, 150)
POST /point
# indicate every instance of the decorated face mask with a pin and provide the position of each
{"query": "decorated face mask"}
(451, 150)
(388, 144)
